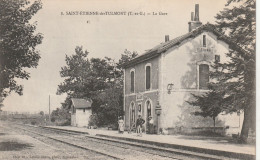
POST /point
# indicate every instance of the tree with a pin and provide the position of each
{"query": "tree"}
(18, 43)
(240, 24)
(235, 80)
(41, 113)
(108, 103)
(209, 103)
(61, 116)
(111, 106)
(76, 75)
(1, 104)
(101, 80)
(126, 57)
(85, 78)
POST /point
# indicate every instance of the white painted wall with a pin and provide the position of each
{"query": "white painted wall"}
(234, 122)
(82, 118)
(73, 120)
(175, 64)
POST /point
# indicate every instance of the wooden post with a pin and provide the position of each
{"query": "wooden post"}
(158, 124)
(158, 112)
(49, 108)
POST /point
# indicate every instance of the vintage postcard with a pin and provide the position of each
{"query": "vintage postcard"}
(110, 79)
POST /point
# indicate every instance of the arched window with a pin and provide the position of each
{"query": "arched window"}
(203, 76)
(148, 77)
(132, 81)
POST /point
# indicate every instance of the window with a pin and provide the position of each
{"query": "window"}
(149, 109)
(148, 77)
(217, 58)
(139, 107)
(204, 40)
(203, 76)
(132, 81)
(133, 114)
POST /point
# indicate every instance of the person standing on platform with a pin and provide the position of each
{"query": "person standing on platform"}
(151, 127)
(139, 125)
(121, 125)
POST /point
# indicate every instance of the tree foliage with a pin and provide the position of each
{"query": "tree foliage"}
(234, 80)
(101, 80)
(41, 113)
(18, 43)
(240, 24)
(126, 57)
(75, 74)
(112, 105)
(60, 116)
(1, 103)
(209, 103)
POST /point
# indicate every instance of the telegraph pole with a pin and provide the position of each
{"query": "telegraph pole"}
(49, 108)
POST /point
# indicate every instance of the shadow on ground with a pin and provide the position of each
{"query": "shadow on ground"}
(14, 146)
(223, 140)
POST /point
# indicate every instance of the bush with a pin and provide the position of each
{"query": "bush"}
(3, 118)
(93, 120)
(33, 122)
(53, 119)
(113, 126)
(66, 123)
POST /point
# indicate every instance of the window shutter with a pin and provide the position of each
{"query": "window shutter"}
(149, 112)
(132, 81)
(133, 112)
(217, 58)
(204, 40)
(139, 108)
(203, 76)
(148, 77)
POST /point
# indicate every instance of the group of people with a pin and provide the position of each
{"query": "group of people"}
(139, 125)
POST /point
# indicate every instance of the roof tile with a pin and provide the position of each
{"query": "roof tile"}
(81, 103)
(157, 50)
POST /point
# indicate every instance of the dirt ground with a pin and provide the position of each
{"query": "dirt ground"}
(15, 145)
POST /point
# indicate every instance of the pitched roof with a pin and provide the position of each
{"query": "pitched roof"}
(81, 103)
(157, 50)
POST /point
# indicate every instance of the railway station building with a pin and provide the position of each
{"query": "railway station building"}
(159, 82)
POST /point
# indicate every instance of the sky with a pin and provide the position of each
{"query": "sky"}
(100, 35)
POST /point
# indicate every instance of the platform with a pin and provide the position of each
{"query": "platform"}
(192, 143)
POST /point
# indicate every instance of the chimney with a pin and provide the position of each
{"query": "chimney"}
(197, 17)
(167, 38)
(195, 20)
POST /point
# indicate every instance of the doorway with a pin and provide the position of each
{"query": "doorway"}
(132, 114)
(148, 113)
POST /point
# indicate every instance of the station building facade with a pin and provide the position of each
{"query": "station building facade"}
(182, 63)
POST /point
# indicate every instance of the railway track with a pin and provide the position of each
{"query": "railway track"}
(71, 143)
(113, 149)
